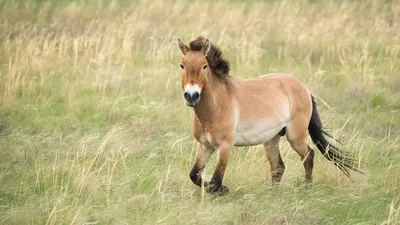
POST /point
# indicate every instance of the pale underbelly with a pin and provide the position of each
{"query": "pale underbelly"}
(257, 133)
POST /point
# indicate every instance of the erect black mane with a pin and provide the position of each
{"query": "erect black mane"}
(217, 63)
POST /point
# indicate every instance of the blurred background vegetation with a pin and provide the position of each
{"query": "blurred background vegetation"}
(93, 127)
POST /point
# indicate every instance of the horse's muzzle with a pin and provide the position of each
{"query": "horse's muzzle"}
(192, 99)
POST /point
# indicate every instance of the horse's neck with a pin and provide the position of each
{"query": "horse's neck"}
(212, 102)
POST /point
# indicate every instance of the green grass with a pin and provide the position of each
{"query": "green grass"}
(93, 128)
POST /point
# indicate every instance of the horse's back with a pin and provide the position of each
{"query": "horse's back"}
(273, 89)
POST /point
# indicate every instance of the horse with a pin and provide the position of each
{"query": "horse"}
(231, 112)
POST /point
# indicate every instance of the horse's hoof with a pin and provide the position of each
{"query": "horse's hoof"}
(215, 189)
(224, 189)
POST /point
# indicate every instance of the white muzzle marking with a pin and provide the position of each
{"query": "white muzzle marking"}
(191, 89)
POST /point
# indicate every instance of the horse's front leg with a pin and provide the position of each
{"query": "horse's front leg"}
(215, 185)
(202, 156)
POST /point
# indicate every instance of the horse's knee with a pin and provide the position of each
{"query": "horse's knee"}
(300, 146)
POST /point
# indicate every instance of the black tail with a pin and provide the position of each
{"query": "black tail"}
(340, 158)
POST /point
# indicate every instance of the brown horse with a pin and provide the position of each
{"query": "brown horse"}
(230, 112)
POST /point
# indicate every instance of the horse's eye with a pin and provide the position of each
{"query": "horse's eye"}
(205, 67)
(182, 66)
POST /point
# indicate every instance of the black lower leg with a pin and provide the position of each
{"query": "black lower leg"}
(195, 175)
(215, 185)
(216, 180)
(276, 174)
(308, 165)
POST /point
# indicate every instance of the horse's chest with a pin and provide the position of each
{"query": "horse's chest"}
(213, 136)
(256, 132)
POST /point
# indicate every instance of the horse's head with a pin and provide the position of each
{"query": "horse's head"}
(195, 69)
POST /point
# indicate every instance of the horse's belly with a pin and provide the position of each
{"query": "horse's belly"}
(256, 133)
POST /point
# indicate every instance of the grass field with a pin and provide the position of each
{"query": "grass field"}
(94, 129)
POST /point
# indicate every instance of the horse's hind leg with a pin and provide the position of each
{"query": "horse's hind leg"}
(308, 163)
(275, 160)
(296, 135)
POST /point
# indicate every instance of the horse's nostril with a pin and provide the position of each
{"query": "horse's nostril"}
(186, 96)
(196, 95)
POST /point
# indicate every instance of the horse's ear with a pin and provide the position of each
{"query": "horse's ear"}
(184, 48)
(206, 47)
